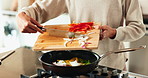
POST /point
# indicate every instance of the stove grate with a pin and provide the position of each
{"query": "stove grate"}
(99, 72)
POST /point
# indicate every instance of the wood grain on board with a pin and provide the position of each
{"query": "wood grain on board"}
(46, 42)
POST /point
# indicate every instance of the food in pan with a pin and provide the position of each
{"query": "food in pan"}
(72, 62)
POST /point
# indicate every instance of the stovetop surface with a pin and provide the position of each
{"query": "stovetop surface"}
(101, 72)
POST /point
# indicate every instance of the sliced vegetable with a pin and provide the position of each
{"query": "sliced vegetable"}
(81, 38)
(81, 27)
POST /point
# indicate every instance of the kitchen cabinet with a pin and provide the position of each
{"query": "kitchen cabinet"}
(138, 60)
(144, 8)
(5, 4)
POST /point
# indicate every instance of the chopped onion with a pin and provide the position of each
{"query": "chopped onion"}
(81, 38)
(60, 63)
(75, 63)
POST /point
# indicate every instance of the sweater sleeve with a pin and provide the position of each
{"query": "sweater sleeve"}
(45, 9)
(134, 28)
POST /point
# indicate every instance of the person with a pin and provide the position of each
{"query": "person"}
(121, 21)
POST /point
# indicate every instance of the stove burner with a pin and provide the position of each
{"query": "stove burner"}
(101, 72)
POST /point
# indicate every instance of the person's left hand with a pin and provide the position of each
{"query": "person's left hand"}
(107, 32)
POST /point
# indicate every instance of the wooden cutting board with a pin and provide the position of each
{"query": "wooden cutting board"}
(46, 42)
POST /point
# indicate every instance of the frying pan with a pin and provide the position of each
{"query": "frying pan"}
(48, 58)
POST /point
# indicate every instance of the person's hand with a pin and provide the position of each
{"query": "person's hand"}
(107, 32)
(27, 24)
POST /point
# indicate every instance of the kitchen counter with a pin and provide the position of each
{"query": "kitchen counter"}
(23, 61)
(8, 12)
(134, 75)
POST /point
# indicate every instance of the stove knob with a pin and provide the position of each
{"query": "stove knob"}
(104, 72)
(115, 74)
(125, 75)
(97, 71)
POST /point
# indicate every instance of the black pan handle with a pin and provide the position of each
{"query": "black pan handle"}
(6, 56)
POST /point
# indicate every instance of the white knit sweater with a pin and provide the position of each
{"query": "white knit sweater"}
(108, 12)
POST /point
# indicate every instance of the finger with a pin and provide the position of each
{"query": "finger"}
(104, 34)
(34, 27)
(32, 30)
(103, 27)
(101, 35)
(29, 30)
(36, 23)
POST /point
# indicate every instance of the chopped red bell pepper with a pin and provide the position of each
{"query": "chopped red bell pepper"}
(81, 27)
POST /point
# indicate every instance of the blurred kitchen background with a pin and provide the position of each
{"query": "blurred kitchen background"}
(9, 30)
(11, 39)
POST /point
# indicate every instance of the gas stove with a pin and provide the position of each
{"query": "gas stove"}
(99, 72)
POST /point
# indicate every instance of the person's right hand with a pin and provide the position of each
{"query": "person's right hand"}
(27, 24)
